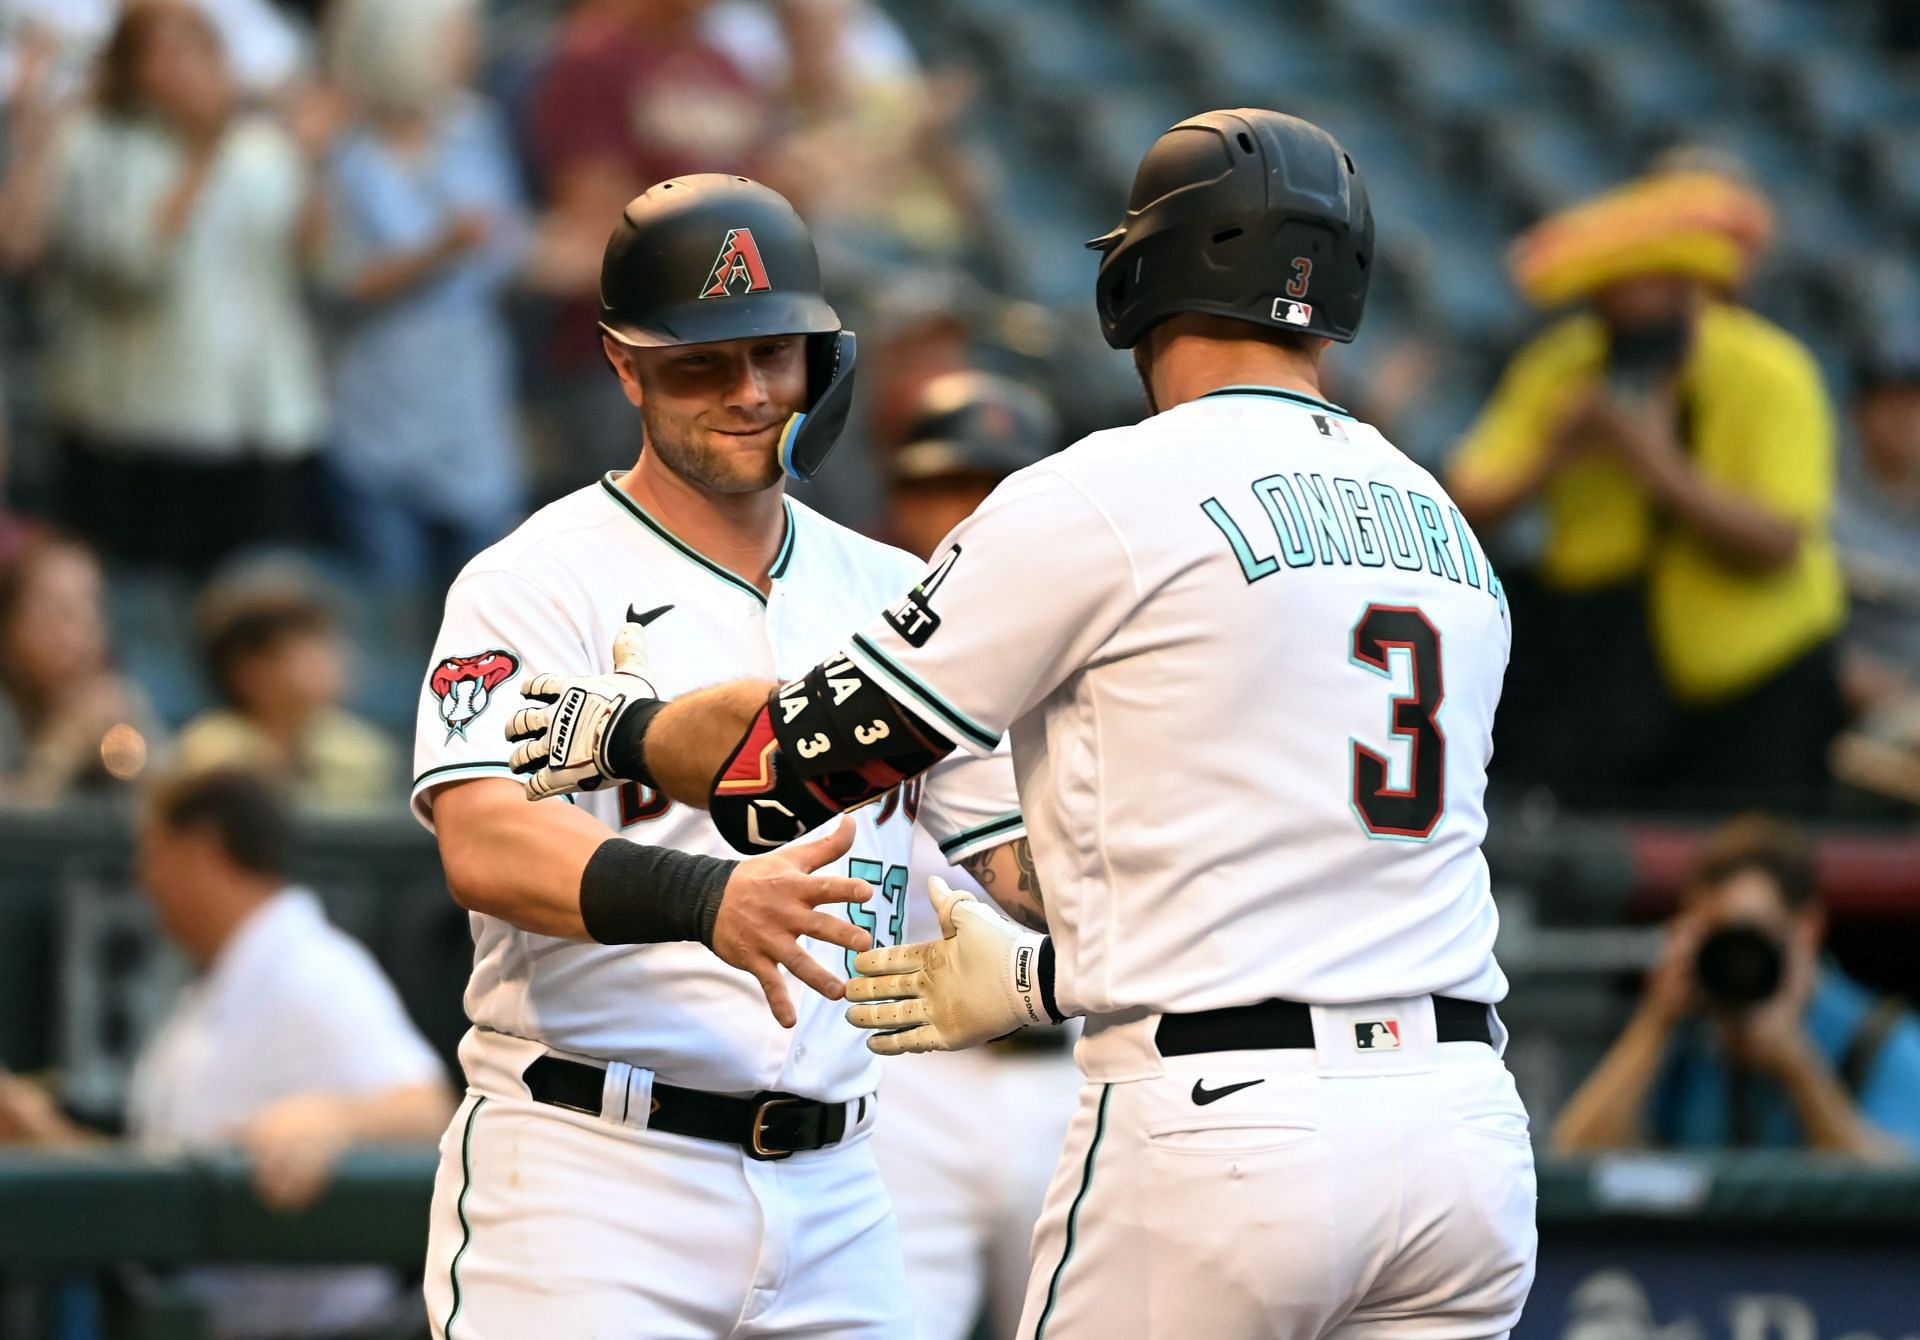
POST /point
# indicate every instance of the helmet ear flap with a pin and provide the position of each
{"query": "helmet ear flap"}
(810, 435)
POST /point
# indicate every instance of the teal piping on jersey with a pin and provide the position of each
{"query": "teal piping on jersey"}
(460, 1208)
(989, 834)
(687, 551)
(937, 707)
(1275, 393)
(448, 772)
(1073, 1214)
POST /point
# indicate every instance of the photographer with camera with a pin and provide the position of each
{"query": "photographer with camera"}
(1745, 1035)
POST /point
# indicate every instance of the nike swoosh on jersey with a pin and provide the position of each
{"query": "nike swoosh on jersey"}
(644, 619)
(1202, 1095)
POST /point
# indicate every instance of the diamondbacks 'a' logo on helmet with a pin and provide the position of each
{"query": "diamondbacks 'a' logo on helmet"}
(739, 264)
(465, 684)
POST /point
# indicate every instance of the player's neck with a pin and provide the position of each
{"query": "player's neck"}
(739, 531)
(1190, 366)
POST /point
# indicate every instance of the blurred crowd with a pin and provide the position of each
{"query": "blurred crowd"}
(297, 305)
(318, 279)
(300, 315)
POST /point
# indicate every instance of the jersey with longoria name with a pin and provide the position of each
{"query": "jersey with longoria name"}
(551, 597)
(1248, 654)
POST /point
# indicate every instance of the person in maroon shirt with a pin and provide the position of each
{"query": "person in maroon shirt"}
(632, 94)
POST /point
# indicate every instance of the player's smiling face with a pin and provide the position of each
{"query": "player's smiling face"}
(714, 412)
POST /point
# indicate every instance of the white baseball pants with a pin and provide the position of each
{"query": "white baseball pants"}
(1335, 1194)
(967, 1147)
(547, 1222)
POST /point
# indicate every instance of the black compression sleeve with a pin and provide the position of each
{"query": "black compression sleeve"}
(1044, 971)
(625, 749)
(636, 895)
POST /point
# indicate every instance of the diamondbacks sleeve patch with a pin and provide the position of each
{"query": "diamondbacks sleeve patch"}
(465, 684)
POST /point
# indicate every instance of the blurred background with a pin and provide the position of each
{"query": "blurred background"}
(296, 303)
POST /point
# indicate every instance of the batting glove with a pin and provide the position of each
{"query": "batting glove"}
(978, 983)
(565, 739)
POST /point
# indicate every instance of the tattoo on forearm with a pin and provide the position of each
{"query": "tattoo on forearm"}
(1024, 904)
(980, 866)
(1029, 878)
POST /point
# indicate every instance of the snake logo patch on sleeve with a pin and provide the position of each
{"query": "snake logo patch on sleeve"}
(465, 684)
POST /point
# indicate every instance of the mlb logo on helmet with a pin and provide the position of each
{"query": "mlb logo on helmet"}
(1291, 312)
(1377, 1035)
(739, 260)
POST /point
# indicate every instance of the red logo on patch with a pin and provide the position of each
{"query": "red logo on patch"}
(465, 684)
(738, 261)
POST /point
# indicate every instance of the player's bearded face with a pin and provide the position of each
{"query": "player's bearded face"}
(713, 412)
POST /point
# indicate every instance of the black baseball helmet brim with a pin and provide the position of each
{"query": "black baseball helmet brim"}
(742, 318)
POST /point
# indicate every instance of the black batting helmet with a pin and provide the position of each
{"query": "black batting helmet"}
(975, 423)
(715, 257)
(1248, 214)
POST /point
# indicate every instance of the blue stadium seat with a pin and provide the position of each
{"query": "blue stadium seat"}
(1646, 87)
(1838, 96)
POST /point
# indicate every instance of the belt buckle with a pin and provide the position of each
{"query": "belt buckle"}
(757, 1141)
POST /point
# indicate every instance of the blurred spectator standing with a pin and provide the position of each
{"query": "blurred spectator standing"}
(971, 430)
(1878, 528)
(634, 93)
(68, 721)
(1745, 1036)
(872, 160)
(1678, 651)
(279, 666)
(425, 231)
(182, 374)
(291, 1045)
(266, 47)
(16, 531)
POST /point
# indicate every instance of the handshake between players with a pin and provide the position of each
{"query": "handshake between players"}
(977, 983)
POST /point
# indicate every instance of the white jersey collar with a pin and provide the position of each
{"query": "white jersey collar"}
(781, 560)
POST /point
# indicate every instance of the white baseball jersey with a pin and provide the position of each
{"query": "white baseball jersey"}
(550, 597)
(1249, 655)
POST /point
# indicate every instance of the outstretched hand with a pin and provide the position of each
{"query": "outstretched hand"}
(773, 901)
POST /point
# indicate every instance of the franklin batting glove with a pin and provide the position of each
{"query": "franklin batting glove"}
(980, 982)
(565, 740)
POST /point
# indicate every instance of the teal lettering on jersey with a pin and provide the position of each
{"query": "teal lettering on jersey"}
(1329, 526)
(1433, 534)
(1360, 520)
(1316, 521)
(1295, 547)
(1251, 567)
(1398, 530)
(1466, 547)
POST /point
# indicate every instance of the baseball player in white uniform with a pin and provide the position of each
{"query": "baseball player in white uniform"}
(1249, 655)
(967, 1206)
(655, 1144)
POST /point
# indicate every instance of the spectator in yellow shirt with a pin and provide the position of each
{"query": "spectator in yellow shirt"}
(1679, 652)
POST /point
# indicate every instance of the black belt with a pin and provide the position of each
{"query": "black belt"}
(1282, 1024)
(767, 1126)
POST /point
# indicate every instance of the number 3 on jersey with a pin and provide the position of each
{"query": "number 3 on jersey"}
(1415, 810)
(889, 898)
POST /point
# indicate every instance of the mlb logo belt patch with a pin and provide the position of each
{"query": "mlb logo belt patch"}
(1377, 1035)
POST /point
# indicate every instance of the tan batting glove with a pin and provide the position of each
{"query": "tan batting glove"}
(563, 737)
(975, 984)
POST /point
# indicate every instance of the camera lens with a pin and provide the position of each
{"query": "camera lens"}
(1739, 965)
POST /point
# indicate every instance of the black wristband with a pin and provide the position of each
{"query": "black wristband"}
(636, 895)
(1043, 970)
(625, 748)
